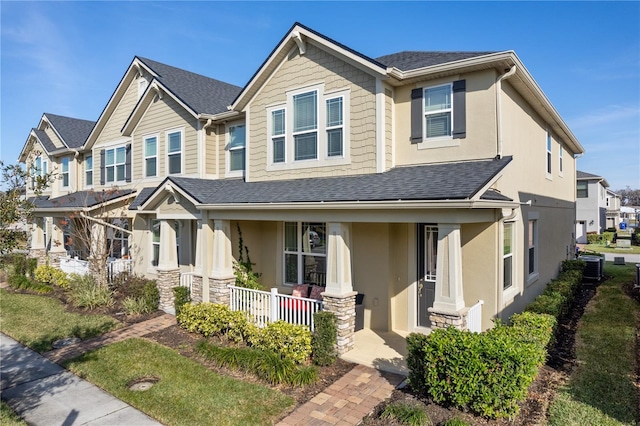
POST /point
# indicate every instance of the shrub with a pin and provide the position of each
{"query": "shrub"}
(593, 238)
(606, 236)
(49, 275)
(32, 264)
(573, 265)
(406, 413)
(243, 269)
(85, 293)
(21, 282)
(325, 336)
(134, 305)
(181, 298)
(290, 341)
(138, 287)
(210, 319)
(19, 264)
(552, 303)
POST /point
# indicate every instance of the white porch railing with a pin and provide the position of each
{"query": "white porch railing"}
(116, 267)
(474, 317)
(186, 280)
(264, 307)
(74, 266)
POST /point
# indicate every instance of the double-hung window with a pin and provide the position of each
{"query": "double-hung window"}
(335, 126)
(438, 111)
(64, 171)
(548, 153)
(305, 126)
(88, 170)
(278, 135)
(560, 153)
(174, 152)
(38, 170)
(155, 241)
(114, 164)
(507, 256)
(237, 147)
(532, 246)
(151, 156)
(582, 189)
(305, 253)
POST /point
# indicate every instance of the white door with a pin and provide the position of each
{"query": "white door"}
(581, 232)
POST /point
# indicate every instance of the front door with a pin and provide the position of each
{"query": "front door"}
(581, 232)
(427, 259)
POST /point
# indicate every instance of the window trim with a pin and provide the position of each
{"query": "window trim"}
(549, 156)
(65, 174)
(299, 253)
(272, 137)
(115, 164)
(560, 160)
(228, 171)
(425, 113)
(511, 254)
(39, 171)
(87, 171)
(167, 133)
(147, 157)
(532, 274)
(585, 189)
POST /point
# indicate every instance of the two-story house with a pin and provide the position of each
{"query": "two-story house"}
(613, 209)
(591, 205)
(430, 182)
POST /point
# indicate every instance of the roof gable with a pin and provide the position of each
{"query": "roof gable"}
(412, 60)
(72, 131)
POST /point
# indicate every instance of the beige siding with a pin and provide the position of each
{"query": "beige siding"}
(388, 128)
(38, 150)
(316, 66)
(480, 141)
(54, 137)
(212, 150)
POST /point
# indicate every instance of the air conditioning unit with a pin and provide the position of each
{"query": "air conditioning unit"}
(593, 270)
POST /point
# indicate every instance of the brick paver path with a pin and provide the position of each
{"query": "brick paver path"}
(347, 400)
(134, 330)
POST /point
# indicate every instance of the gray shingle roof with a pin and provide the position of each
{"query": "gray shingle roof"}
(451, 181)
(585, 175)
(142, 196)
(73, 131)
(80, 199)
(494, 195)
(44, 140)
(411, 60)
(202, 94)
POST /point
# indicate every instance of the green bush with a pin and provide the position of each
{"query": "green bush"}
(210, 319)
(32, 264)
(593, 238)
(20, 264)
(325, 337)
(552, 303)
(134, 305)
(85, 293)
(21, 282)
(182, 296)
(607, 236)
(46, 274)
(290, 341)
(138, 287)
(406, 413)
(573, 265)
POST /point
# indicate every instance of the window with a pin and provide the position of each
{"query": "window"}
(237, 149)
(305, 125)
(174, 152)
(88, 170)
(278, 135)
(548, 153)
(582, 189)
(305, 253)
(114, 164)
(334, 127)
(438, 111)
(142, 85)
(155, 241)
(38, 169)
(64, 171)
(560, 165)
(507, 256)
(118, 240)
(151, 156)
(532, 246)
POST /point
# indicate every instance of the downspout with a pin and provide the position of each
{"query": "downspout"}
(511, 72)
(202, 164)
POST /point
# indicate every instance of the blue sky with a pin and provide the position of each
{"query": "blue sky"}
(67, 58)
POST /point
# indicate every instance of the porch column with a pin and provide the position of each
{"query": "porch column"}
(168, 271)
(57, 243)
(222, 263)
(339, 296)
(204, 236)
(448, 306)
(37, 248)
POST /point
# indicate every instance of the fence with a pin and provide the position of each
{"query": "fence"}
(115, 267)
(264, 307)
(186, 280)
(474, 317)
(74, 266)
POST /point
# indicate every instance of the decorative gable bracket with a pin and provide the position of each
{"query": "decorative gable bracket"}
(302, 45)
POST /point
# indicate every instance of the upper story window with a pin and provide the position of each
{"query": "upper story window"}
(174, 152)
(310, 129)
(237, 142)
(438, 114)
(507, 256)
(64, 172)
(88, 170)
(548, 154)
(114, 164)
(151, 156)
(39, 168)
(560, 154)
(142, 85)
(582, 189)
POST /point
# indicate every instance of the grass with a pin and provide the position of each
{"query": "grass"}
(600, 390)
(37, 321)
(611, 249)
(187, 393)
(8, 417)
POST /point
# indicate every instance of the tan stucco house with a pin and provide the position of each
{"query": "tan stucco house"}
(430, 182)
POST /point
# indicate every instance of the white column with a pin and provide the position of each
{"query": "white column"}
(57, 236)
(168, 250)
(222, 261)
(449, 296)
(339, 259)
(98, 240)
(37, 233)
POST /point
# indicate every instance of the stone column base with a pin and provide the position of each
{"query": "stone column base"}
(441, 319)
(40, 254)
(54, 258)
(218, 290)
(196, 289)
(166, 281)
(344, 307)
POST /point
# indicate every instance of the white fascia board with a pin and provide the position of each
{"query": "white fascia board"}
(215, 118)
(160, 192)
(485, 188)
(55, 130)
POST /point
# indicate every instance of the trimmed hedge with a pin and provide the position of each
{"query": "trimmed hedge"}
(49, 275)
(291, 341)
(182, 296)
(560, 293)
(325, 336)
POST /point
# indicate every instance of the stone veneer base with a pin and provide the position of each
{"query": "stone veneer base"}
(196, 289)
(40, 254)
(441, 319)
(218, 290)
(344, 307)
(167, 279)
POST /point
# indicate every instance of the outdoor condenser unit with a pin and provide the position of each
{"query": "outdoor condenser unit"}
(593, 270)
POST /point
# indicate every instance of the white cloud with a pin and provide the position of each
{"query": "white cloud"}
(605, 116)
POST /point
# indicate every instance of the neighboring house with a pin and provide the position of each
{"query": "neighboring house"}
(591, 205)
(613, 209)
(427, 181)
(630, 215)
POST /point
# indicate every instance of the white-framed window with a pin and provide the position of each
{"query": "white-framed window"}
(237, 136)
(560, 162)
(532, 247)
(548, 154)
(114, 164)
(174, 152)
(88, 170)
(310, 130)
(305, 253)
(582, 189)
(151, 156)
(39, 168)
(438, 111)
(155, 241)
(118, 240)
(64, 171)
(142, 86)
(507, 255)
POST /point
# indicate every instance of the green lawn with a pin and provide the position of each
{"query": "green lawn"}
(612, 249)
(187, 393)
(37, 321)
(8, 417)
(600, 390)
